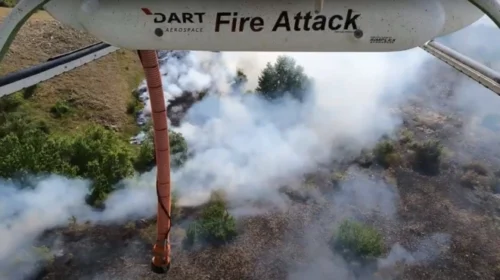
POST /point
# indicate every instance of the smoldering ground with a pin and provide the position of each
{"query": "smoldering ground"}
(240, 143)
(469, 109)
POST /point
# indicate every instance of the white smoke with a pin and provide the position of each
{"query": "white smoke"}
(26, 212)
(242, 144)
(249, 147)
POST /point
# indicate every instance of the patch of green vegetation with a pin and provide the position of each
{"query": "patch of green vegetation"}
(215, 226)
(359, 240)
(30, 146)
(427, 156)
(135, 105)
(477, 176)
(8, 3)
(385, 154)
(146, 156)
(365, 158)
(44, 254)
(94, 153)
(11, 102)
(337, 178)
(178, 149)
(30, 91)
(406, 136)
(145, 160)
(60, 109)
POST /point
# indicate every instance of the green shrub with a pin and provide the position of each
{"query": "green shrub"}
(131, 107)
(178, 149)
(44, 254)
(60, 109)
(385, 154)
(145, 159)
(9, 3)
(359, 240)
(365, 159)
(476, 176)
(427, 156)
(19, 123)
(135, 105)
(406, 136)
(10, 103)
(102, 156)
(215, 226)
(95, 153)
(29, 91)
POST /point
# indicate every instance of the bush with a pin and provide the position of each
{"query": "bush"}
(477, 168)
(102, 156)
(29, 91)
(135, 105)
(427, 157)
(146, 157)
(359, 240)
(19, 124)
(406, 136)
(476, 176)
(60, 109)
(11, 102)
(215, 226)
(95, 153)
(385, 154)
(178, 149)
(365, 159)
(44, 254)
(472, 180)
(282, 77)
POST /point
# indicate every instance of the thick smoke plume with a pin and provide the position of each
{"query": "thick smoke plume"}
(249, 147)
(472, 106)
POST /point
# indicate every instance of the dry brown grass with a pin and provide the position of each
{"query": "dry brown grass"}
(99, 91)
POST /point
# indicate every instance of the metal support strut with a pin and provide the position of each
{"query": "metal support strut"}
(15, 20)
(490, 7)
(161, 249)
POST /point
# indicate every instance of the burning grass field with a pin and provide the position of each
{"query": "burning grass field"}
(434, 224)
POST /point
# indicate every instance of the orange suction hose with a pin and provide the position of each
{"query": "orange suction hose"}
(161, 249)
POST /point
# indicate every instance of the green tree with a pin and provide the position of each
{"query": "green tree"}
(95, 153)
(285, 76)
(102, 156)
